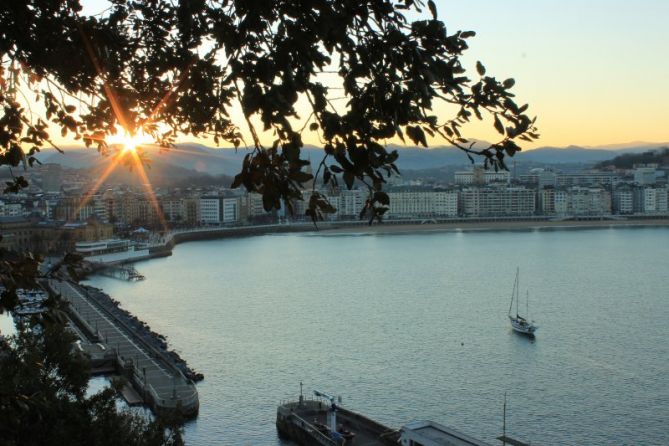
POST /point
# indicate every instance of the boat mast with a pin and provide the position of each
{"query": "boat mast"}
(527, 305)
(513, 293)
(504, 422)
(517, 290)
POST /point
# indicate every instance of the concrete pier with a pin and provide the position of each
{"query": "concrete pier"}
(155, 378)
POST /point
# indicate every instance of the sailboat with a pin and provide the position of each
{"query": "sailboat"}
(519, 323)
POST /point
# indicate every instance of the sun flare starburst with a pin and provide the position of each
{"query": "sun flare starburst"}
(129, 142)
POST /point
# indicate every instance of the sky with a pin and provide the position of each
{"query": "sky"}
(595, 72)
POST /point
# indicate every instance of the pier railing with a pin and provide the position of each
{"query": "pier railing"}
(186, 402)
(316, 434)
(157, 354)
(189, 402)
(183, 396)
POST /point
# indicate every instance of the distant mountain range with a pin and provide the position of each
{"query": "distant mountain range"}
(187, 160)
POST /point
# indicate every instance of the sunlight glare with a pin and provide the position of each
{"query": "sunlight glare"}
(129, 142)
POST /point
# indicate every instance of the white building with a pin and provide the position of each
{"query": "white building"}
(497, 202)
(348, 202)
(11, 209)
(423, 203)
(540, 177)
(588, 201)
(561, 202)
(210, 210)
(649, 205)
(446, 203)
(652, 200)
(481, 176)
(622, 201)
(588, 178)
(662, 200)
(172, 208)
(231, 210)
(255, 205)
(546, 178)
(645, 174)
(546, 201)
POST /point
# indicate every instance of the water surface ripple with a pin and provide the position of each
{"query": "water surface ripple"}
(414, 327)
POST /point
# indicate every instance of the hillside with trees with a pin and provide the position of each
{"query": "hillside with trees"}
(628, 160)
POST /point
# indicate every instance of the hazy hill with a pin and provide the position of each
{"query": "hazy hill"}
(628, 160)
(159, 172)
(189, 159)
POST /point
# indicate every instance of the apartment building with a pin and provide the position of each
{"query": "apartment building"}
(645, 174)
(211, 212)
(422, 203)
(622, 200)
(231, 209)
(481, 176)
(588, 201)
(497, 202)
(651, 200)
(588, 178)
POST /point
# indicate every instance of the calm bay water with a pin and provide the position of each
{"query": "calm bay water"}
(414, 326)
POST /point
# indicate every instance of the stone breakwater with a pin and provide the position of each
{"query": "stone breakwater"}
(143, 330)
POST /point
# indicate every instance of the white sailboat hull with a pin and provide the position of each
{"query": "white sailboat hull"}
(520, 325)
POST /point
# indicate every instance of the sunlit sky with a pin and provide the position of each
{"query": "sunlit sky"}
(595, 72)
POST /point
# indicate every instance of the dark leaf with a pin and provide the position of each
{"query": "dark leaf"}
(480, 68)
(349, 179)
(433, 9)
(498, 125)
(300, 177)
(382, 198)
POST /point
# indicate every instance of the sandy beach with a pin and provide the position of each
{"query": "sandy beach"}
(398, 228)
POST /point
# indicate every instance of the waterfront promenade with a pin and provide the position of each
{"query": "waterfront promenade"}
(162, 385)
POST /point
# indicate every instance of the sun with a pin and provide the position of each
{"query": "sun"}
(129, 142)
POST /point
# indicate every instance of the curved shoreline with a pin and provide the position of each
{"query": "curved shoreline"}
(500, 226)
(401, 227)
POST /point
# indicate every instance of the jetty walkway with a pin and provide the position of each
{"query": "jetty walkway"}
(157, 380)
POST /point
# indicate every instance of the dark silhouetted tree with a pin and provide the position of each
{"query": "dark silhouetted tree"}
(364, 72)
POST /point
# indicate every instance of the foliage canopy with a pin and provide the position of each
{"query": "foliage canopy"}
(166, 68)
(43, 398)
